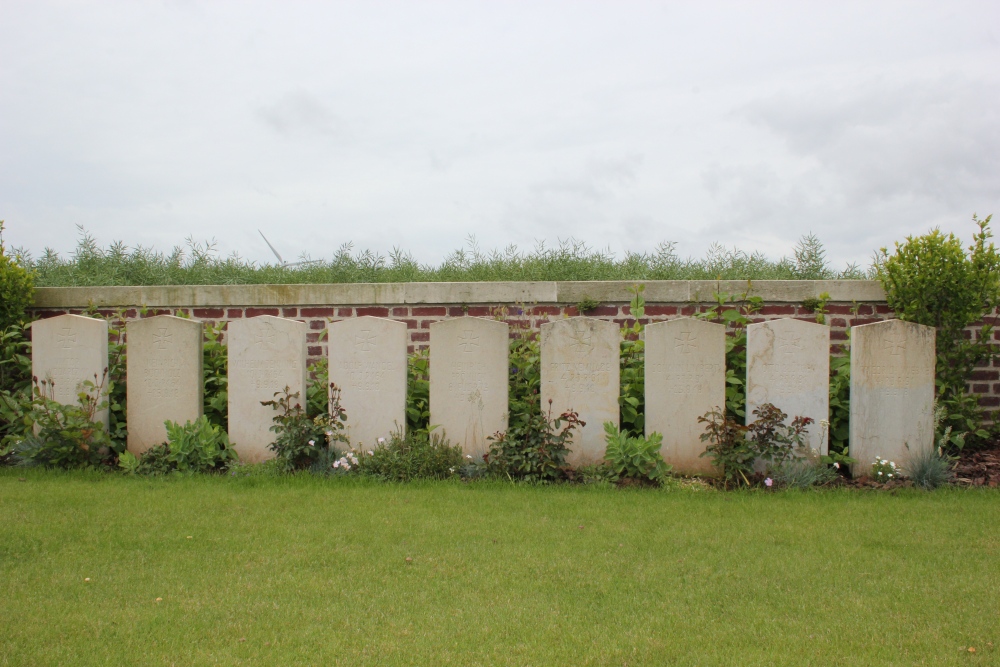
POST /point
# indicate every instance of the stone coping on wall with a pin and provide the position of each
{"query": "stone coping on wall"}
(656, 291)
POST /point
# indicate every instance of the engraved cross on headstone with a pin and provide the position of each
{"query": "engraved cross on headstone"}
(685, 342)
(467, 342)
(365, 340)
(161, 339)
(67, 338)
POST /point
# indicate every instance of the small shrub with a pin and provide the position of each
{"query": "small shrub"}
(728, 446)
(418, 455)
(932, 280)
(930, 469)
(16, 287)
(634, 457)
(735, 448)
(301, 441)
(64, 436)
(197, 446)
(536, 451)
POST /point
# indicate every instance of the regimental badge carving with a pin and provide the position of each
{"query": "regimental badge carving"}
(266, 337)
(790, 344)
(161, 339)
(66, 338)
(894, 345)
(686, 342)
(365, 340)
(467, 342)
(583, 340)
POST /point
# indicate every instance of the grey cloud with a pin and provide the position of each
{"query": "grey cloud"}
(299, 112)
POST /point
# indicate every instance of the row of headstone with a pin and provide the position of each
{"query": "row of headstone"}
(892, 378)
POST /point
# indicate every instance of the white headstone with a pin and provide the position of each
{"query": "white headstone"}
(266, 354)
(368, 366)
(685, 378)
(892, 391)
(468, 380)
(67, 351)
(580, 357)
(788, 365)
(166, 377)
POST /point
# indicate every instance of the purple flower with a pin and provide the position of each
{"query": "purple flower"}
(768, 482)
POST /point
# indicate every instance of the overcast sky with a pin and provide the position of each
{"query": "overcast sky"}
(415, 124)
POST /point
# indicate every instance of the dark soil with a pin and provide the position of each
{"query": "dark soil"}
(979, 468)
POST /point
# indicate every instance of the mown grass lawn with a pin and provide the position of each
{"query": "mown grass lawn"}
(305, 571)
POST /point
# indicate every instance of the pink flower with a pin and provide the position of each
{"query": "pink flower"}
(768, 482)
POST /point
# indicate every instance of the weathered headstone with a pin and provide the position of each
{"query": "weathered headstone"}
(165, 377)
(788, 365)
(67, 351)
(368, 366)
(892, 391)
(469, 377)
(685, 378)
(580, 357)
(266, 354)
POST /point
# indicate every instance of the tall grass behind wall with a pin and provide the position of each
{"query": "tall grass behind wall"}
(200, 264)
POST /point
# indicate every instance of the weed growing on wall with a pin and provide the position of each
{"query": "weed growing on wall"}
(933, 280)
(200, 264)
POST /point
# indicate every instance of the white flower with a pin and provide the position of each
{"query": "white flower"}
(468, 456)
(329, 432)
(893, 464)
(370, 453)
(336, 464)
(347, 466)
(381, 441)
(837, 466)
(312, 443)
(451, 470)
(889, 475)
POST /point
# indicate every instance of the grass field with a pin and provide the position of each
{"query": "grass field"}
(306, 571)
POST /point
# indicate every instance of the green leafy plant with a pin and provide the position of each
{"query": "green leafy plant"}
(193, 447)
(840, 404)
(632, 397)
(15, 386)
(16, 287)
(64, 436)
(116, 389)
(216, 363)
(317, 388)
(633, 457)
(417, 455)
(525, 381)
(535, 451)
(735, 312)
(728, 446)
(302, 441)
(932, 280)
(586, 304)
(418, 391)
